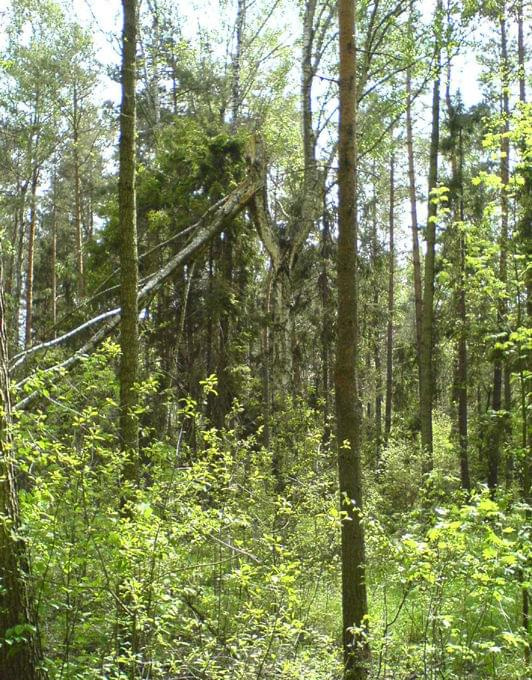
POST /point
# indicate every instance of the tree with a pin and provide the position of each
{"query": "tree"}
(354, 598)
(20, 650)
(129, 340)
(426, 388)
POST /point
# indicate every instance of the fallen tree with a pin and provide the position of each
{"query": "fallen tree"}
(210, 224)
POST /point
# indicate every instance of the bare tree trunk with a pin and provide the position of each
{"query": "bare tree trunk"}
(460, 378)
(376, 335)
(354, 597)
(53, 263)
(326, 325)
(77, 197)
(521, 52)
(427, 320)
(22, 659)
(526, 383)
(266, 362)
(31, 254)
(391, 293)
(17, 295)
(416, 261)
(497, 428)
(129, 342)
(236, 94)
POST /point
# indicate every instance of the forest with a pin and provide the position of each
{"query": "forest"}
(265, 339)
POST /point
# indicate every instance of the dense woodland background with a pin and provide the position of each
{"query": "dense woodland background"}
(265, 377)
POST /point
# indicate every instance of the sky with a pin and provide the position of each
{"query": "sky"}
(104, 18)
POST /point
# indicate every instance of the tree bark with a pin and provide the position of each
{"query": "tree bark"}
(53, 262)
(77, 196)
(416, 261)
(354, 597)
(500, 389)
(391, 292)
(129, 342)
(521, 52)
(31, 255)
(460, 378)
(326, 324)
(22, 660)
(236, 66)
(426, 387)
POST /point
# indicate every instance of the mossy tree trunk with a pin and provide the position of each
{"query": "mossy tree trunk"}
(21, 659)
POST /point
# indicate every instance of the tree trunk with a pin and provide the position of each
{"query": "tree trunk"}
(526, 383)
(128, 245)
(354, 597)
(426, 387)
(129, 343)
(31, 253)
(521, 52)
(77, 198)
(326, 324)
(236, 94)
(501, 389)
(416, 261)
(375, 335)
(21, 660)
(17, 295)
(53, 263)
(460, 377)
(391, 293)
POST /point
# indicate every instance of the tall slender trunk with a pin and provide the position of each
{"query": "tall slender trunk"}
(129, 342)
(521, 52)
(17, 295)
(426, 390)
(77, 197)
(460, 378)
(326, 324)
(500, 388)
(376, 335)
(22, 659)
(310, 198)
(31, 255)
(236, 94)
(266, 362)
(354, 597)
(53, 263)
(128, 244)
(526, 383)
(389, 330)
(416, 260)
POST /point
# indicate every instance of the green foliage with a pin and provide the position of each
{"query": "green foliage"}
(225, 579)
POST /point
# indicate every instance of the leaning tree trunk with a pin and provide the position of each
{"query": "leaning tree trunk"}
(354, 598)
(22, 659)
